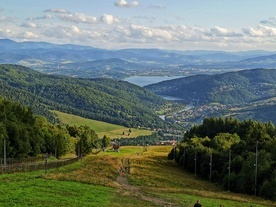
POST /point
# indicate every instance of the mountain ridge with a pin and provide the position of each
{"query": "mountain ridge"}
(218, 83)
(101, 99)
(48, 57)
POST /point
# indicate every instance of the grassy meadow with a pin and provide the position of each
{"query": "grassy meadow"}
(102, 128)
(152, 180)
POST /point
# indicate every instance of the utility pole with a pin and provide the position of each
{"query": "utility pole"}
(229, 170)
(5, 156)
(184, 157)
(195, 160)
(256, 168)
(211, 160)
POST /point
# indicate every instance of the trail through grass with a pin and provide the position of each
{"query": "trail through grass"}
(97, 181)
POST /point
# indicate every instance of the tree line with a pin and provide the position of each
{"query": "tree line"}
(27, 135)
(239, 155)
(142, 140)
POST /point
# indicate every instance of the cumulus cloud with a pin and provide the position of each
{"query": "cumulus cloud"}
(73, 33)
(46, 16)
(260, 31)
(29, 35)
(29, 25)
(108, 19)
(77, 18)
(220, 31)
(6, 33)
(125, 4)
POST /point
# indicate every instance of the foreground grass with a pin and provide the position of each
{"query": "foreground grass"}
(102, 128)
(34, 191)
(93, 182)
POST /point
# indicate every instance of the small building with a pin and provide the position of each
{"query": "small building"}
(116, 147)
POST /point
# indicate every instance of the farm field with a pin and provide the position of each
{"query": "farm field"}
(135, 176)
(102, 128)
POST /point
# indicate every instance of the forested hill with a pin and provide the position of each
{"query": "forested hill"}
(228, 88)
(101, 99)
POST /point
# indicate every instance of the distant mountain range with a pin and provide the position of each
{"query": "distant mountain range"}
(108, 100)
(76, 60)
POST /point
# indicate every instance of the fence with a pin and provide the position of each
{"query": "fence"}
(40, 164)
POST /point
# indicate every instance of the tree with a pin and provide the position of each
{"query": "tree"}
(105, 141)
(87, 139)
(224, 141)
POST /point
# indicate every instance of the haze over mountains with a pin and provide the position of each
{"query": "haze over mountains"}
(89, 62)
(207, 79)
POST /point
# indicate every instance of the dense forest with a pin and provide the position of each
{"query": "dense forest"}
(27, 135)
(117, 102)
(239, 155)
(228, 88)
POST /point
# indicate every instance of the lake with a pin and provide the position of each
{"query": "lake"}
(146, 80)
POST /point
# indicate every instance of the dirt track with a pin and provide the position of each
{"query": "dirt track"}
(136, 191)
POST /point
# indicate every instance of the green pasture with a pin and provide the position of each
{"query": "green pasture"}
(102, 128)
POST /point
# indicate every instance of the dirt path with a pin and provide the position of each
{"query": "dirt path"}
(133, 190)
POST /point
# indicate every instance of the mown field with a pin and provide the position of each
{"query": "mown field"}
(149, 180)
(102, 128)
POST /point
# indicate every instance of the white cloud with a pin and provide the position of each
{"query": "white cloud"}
(109, 31)
(260, 31)
(109, 19)
(46, 16)
(29, 25)
(6, 33)
(77, 18)
(29, 35)
(123, 3)
(58, 11)
(74, 34)
(219, 31)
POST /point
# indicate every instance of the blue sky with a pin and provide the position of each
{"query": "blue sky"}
(228, 25)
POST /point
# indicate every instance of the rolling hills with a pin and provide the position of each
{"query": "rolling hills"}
(244, 94)
(90, 62)
(229, 88)
(106, 100)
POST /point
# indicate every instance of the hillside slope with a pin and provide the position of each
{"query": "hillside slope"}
(228, 88)
(101, 99)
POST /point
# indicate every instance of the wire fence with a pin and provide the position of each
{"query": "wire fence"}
(29, 165)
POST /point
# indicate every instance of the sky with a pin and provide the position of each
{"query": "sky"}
(225, 25)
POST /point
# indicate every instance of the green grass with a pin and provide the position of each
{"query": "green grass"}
(92, 182)
(101, 128)
(22, 190)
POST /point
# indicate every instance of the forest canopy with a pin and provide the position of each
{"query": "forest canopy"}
(27, 135)
(239, 155)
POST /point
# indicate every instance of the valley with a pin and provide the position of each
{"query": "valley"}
(138, 103)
